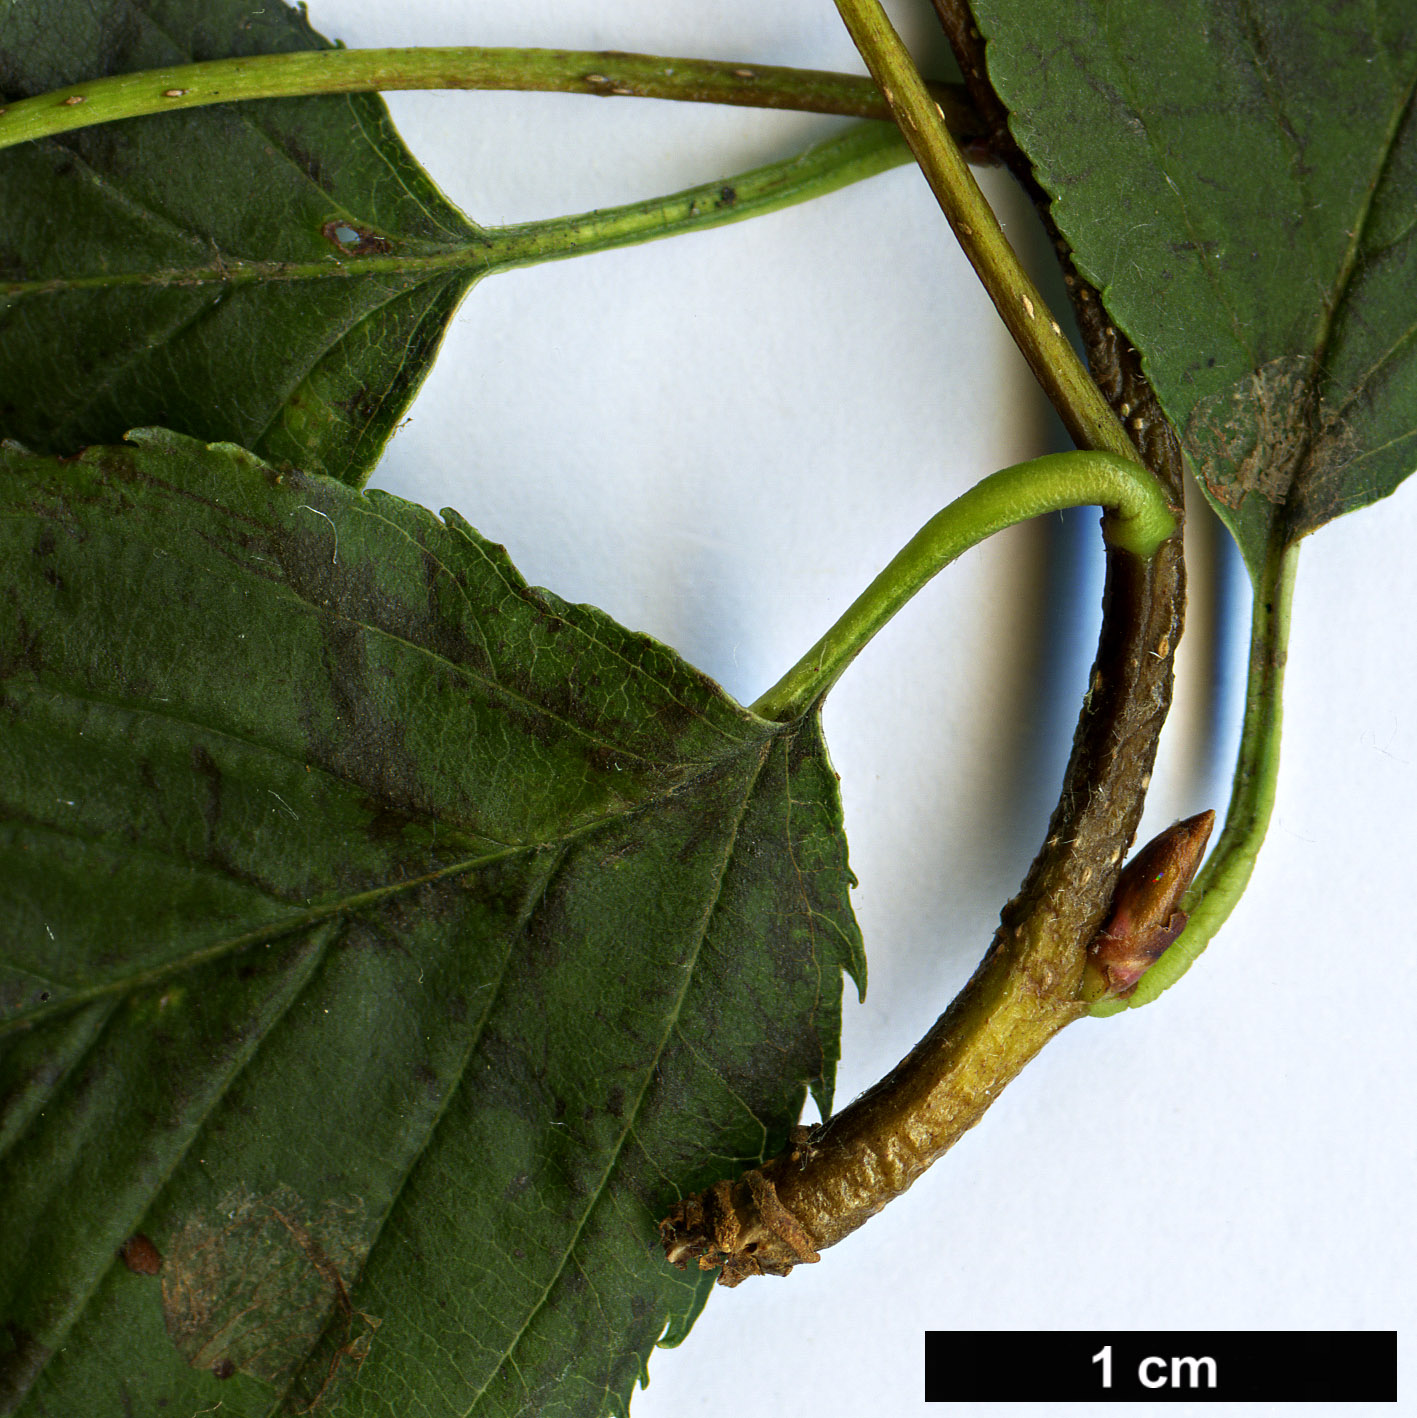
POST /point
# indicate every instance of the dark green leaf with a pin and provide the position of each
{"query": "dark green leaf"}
(1240, 181)
(383, 941)
(246, 272)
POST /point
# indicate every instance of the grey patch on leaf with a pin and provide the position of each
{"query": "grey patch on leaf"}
(1268, 434)
(251, 1285)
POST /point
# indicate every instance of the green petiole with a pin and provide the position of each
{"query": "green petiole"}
(345, 71)
(862, 151)
(1138, 520)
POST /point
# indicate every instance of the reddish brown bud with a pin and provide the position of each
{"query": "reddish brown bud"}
(1144, 920)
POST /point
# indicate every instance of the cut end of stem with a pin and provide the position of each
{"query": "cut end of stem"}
(740, 1228)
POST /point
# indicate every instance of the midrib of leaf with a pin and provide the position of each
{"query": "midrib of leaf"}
(342, 906)
(239, 273)
(488, 249)
(671, 1025)
(1332, 307)
(1285, 129)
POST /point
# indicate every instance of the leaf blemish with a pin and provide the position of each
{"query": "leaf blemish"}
(355, 241)
(140, 1255)
(250, 1286)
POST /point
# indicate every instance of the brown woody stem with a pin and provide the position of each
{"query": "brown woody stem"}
(1025, 990)
(832, 1179)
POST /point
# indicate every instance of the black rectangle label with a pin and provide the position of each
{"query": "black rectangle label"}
(1176, 1366)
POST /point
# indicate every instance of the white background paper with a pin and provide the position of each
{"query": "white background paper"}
(719, 439)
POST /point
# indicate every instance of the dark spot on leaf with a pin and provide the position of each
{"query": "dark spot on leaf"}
(355, 240)
(21, 652)
(727, 196)
(602, 759)
(140, 1255)
(224, 1369)
(384, 824)
(209, 776)
(363, 403)
(307, 162)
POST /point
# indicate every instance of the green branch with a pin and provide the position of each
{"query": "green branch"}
(1138, 520)
(1220, 885)
(1050, 355)
(344, 71)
